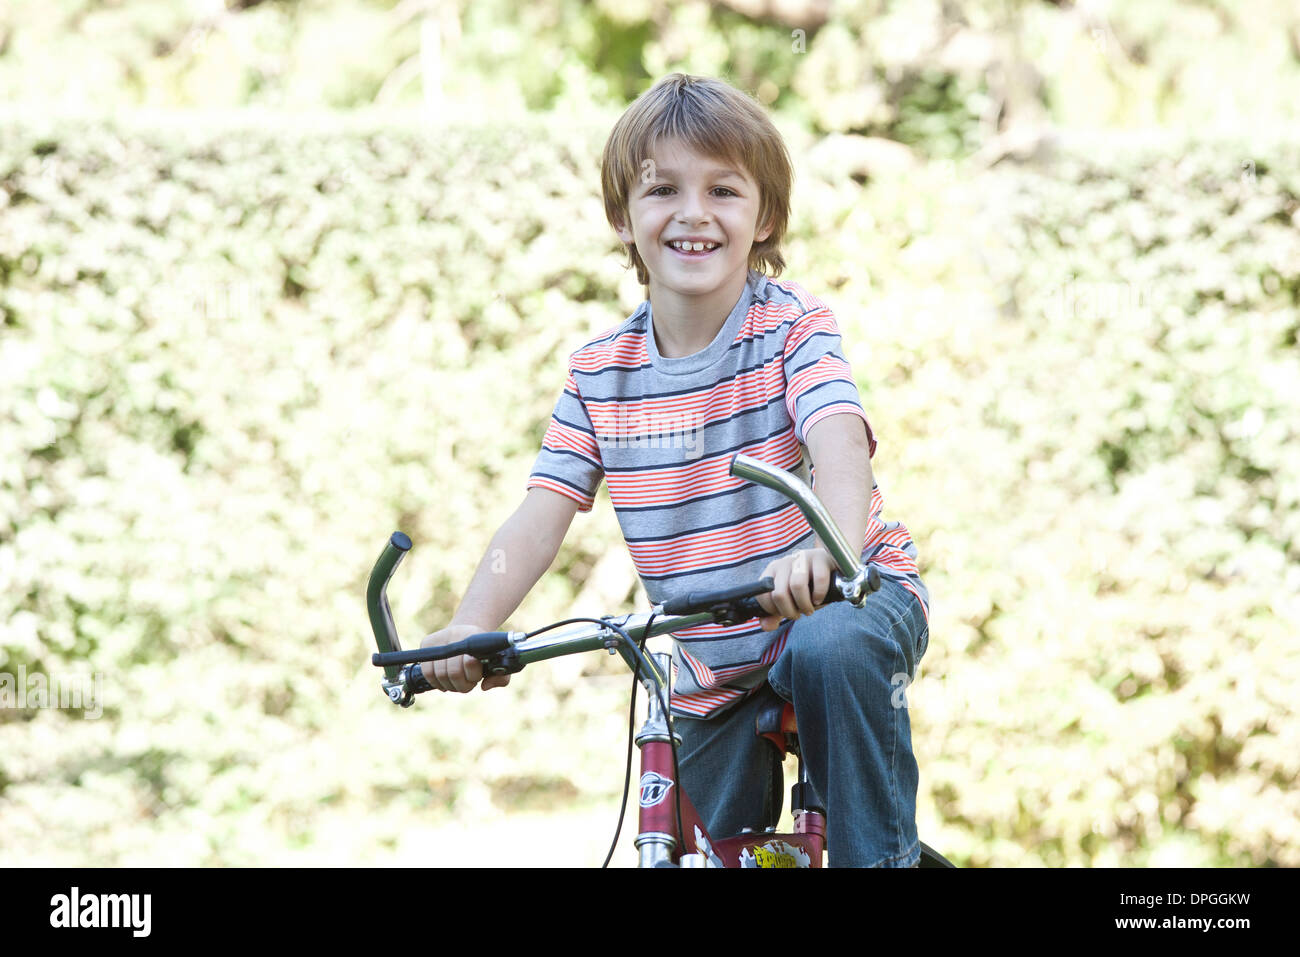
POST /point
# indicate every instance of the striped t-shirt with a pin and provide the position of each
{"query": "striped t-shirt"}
(662, 432)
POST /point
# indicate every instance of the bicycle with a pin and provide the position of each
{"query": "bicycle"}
(671, 833)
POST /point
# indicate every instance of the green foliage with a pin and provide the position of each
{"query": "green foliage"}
(235, 362)
(236, 357)
(947, 78)
(1113, 671)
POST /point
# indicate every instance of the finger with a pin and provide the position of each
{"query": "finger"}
(765, 599)
(770, 622)
(473, 672)
(782, 602)
(495, 681)
(455, 674)
(429, 668)
(465, 673)
(799, 576)
(821, 582)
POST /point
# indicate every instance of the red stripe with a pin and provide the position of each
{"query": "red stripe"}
(840, 408)
(673, 484)
(765, 317)
(925, 610)
(693, 410)
(701, 705)
(628, 350)
(559, 436)
(720, 546)
(809, 325)
(539, 482)
(807, 300)
(826, 369)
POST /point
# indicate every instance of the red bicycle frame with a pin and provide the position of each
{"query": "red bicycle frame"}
(660, 841)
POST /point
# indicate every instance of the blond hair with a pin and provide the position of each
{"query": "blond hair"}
(712, 118)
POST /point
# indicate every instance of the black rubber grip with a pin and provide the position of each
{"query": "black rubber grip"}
(705, 600)
(483, 645)
(753, 609)
(416, 681)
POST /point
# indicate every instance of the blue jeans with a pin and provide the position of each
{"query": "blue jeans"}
(845, 669)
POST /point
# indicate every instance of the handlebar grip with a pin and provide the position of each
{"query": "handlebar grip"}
(873, 579)
(704, 600)
(482, 645)
(751, 608)
(416, 681)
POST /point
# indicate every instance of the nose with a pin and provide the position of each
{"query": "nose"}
(692, 208)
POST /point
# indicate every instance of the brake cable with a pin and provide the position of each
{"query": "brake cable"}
(638, 655)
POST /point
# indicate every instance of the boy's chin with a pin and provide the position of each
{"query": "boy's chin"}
(698, 289)
(701, 284)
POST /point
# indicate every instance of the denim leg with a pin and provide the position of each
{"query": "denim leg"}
(844, 668)
(729, 772)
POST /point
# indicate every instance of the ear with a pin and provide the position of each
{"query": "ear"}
(764, 231)
(624, 234)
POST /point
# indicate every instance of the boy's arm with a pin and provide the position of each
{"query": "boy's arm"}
(522, 549)
(840, 453)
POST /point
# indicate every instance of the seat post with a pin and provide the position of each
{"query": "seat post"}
(809, 817)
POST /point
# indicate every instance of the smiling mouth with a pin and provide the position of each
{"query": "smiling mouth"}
(693, 248)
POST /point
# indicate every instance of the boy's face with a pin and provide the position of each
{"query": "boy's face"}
(683, 195)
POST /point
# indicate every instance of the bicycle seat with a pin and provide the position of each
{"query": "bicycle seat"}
(775, 721)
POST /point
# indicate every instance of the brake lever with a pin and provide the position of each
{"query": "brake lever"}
(504, 662)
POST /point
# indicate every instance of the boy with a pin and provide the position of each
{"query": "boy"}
(721, 359)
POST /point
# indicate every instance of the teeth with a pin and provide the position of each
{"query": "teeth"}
(694, 247)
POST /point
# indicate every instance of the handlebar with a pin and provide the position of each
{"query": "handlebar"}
(381, 616)
(854, 573)
(508, 652)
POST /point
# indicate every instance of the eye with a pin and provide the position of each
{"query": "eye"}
(659, 191)
(725, 191)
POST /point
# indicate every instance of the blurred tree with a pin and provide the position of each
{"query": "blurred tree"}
(948, 77)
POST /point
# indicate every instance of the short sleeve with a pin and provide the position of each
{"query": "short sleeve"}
(819, 381)
(569, 462)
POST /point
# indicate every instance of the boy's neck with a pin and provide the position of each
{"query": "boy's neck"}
(685, 325)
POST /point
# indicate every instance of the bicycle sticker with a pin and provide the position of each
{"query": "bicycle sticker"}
(703, 846)
(775, 854)
(654, 788)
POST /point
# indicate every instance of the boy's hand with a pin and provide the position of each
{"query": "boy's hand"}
(801, 582)
(457, 674)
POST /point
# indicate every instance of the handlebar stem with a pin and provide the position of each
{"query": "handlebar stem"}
(657, 726)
